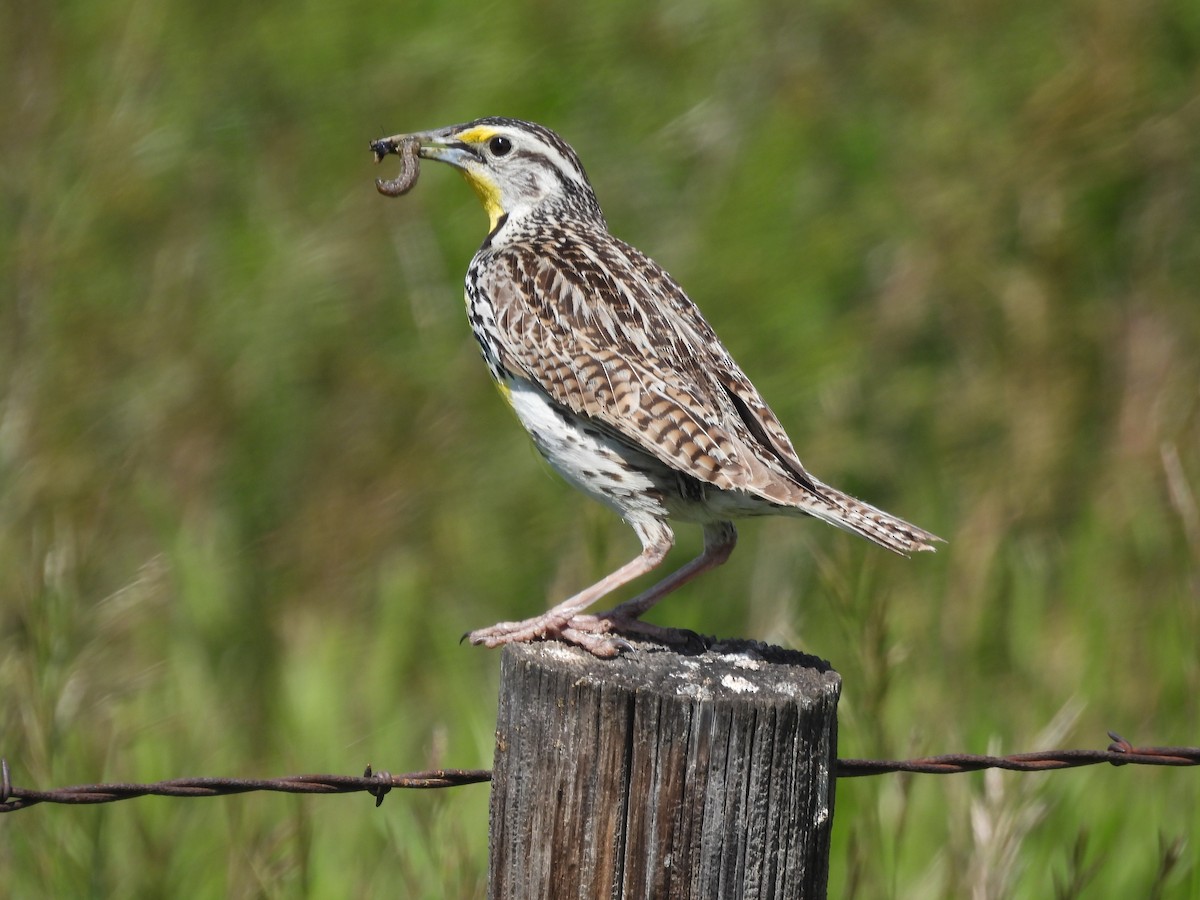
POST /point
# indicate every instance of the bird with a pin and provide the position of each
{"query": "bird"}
(621, 382)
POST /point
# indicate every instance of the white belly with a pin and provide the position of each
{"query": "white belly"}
(629, 481)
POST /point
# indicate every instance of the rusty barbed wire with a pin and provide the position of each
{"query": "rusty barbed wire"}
(377, 784)
(1119, 753)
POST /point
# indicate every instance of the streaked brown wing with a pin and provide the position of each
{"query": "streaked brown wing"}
(607, 333)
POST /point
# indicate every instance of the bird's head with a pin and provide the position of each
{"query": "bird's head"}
(517, 168)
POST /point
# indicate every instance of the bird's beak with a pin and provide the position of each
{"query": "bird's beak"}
(440, 145)
(451, 145)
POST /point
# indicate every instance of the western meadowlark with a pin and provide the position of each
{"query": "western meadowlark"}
(623, 385)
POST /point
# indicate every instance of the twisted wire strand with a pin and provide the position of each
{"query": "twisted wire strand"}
(1119, 753)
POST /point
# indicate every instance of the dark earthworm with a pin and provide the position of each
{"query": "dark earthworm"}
(406, 148)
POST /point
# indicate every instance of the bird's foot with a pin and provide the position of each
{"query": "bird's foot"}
(548, 626)
(601, 635)
(615, 623)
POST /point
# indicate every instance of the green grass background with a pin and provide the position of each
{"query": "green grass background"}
(254, 481)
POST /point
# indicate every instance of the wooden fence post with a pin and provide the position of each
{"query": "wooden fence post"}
(660, 775)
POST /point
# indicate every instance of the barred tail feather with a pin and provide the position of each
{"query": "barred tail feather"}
(850, 514)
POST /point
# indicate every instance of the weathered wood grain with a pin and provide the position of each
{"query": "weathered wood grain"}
(661, 775)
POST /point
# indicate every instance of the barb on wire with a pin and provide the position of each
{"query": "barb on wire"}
(1119, 753)
(377, 784)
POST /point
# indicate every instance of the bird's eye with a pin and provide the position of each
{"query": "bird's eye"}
(500, 146)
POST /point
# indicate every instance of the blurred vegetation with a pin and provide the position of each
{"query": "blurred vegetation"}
(254, 482)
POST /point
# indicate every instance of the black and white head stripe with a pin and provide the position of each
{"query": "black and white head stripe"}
(523, 167)
(568, 157)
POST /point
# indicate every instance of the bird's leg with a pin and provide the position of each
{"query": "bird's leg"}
(656, 538)
(719, 541)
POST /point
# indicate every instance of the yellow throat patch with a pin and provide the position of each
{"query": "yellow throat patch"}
(488, 194)
(486, 189)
